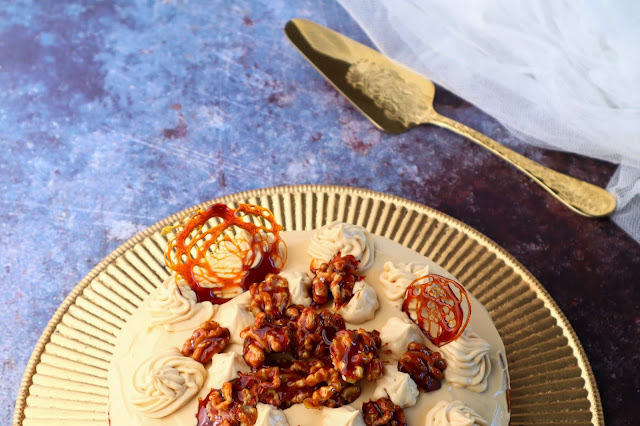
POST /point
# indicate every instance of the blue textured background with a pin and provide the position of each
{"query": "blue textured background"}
(117, 114)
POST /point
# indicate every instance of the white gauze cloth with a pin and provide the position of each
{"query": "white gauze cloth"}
(562, 75)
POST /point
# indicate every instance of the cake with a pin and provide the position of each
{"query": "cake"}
(334, 326)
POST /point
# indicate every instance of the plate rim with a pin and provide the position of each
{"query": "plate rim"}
(593, 394)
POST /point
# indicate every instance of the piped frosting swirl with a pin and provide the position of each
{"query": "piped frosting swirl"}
(165, 382)
(343, 238)
(453, 413)
(468, 361)
(397, 277)
(175, 307)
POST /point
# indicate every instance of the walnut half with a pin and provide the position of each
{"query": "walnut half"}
(354, 354)
(425, 367)
(271, 296)
(383, 412)
(206, 341)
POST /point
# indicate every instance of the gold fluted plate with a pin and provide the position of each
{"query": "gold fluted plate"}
(65, 381)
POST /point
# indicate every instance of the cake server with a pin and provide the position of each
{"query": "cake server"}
(397, 99)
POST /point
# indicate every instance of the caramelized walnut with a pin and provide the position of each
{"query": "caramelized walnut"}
(206, 341)
(293, 312)
(314, 382)
(354, 354)
(264, 338)
(425, 367)
(339, 277)
(270, 296)
(330, 388)
(280, 387)
(233, 405)
(315, 331)
(383, 412)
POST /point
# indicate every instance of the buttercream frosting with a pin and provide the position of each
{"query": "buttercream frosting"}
(299, 283)
(344, 416)
(397, 333)
(344, 238)
(235, 316)
(139, 340)
(175, 307)
(225, 367)
(399, 387)
(454, 413)
(362, 306)
(165, 382)
(396, 277)
(268, 415)
(468, 361)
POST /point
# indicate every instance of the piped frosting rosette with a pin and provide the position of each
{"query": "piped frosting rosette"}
(397, 277)
(343, 238)
(468, 362)
(165, 382)
(175, 307)
(453, 413)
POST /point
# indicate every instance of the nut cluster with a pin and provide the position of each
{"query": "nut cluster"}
(270, 296)
(383, 412)
(425, 367)
(355, 354)
(318, 361)
(265, 337)
(315, 331)
(206, 341)
(233, 405)
(339, 277)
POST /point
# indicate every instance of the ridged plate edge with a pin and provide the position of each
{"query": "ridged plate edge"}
(551, 378)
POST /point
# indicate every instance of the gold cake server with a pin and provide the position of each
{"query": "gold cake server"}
(396, 99)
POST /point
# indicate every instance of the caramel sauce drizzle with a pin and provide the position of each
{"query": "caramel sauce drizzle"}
(188, 252)
(438, 310)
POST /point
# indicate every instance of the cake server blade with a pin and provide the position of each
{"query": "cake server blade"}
(397, 99)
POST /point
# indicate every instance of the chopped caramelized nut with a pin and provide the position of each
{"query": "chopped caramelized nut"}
(233, 405)
(425, 367)
(338, 276)
(271, 296)
(315, 331)
(292, 313)
(206, 341)
(264, 338)
(354, 354)
(383, 412)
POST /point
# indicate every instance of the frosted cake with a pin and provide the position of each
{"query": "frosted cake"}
(334, 326)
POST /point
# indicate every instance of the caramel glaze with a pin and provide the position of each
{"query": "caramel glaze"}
(192, 238)
(437, 306)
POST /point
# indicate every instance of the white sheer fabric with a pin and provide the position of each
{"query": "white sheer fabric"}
(563, 74)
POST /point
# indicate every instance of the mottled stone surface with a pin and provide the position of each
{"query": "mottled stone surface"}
(116, 114)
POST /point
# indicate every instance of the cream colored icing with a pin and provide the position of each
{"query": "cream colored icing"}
(174, 307)
(268, 415)
(225, 367)
(345, 238)
(165, 382)
(235, 316)
(345, 415)
(397, 333)
(137, 341)
(396, 277)
(399, 387)
(468, 362)
(362, 306)
(299, 284)
(454, 413)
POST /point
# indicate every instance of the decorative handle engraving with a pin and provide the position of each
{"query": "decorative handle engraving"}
(582, 197)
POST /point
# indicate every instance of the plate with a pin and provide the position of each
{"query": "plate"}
(65, 381)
